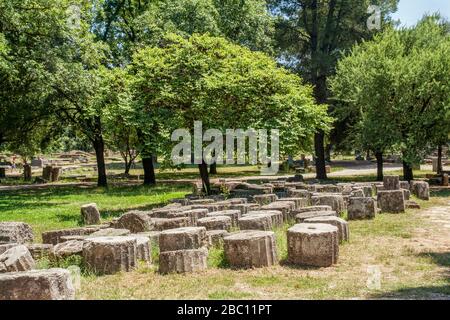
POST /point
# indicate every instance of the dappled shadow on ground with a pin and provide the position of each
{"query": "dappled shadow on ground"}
(425, 292)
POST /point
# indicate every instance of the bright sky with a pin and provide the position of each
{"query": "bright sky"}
(411, 11)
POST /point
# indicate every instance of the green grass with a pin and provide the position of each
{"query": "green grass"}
(56, 208)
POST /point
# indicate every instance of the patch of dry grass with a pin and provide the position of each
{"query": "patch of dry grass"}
(389, 242)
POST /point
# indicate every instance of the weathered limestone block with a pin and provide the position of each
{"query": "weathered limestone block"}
(215, 237)
(314, 208)
(313, 244)
(183, 261)
(336, 202)
(329, 188)
(7, 246)
(90, 214)
(153, 236)
(404, 185)
(275, 215)
(50, 284)
(391, 182)
(341, 224)
(211, 207)
(143, 251)
(15, 259)
(235, 215)
(391, 201)
(110, 232)
(40, 250)
(238, 200)
(298, 193)
(301, 217)
(47, 173)
(406, 194)
(166, 224)
(215, 223)
(135, 222)
(263, 199)
(108, 255)
(299, 202)
(202, 201)
(361, 208)
(66, 249)
(194, 215)
(420, 189)
(182, 239)
(251, 249)
(286, 207)
(368, 191)
(244, 208)
(54, 237)
(256, 222)
(409, 204)
(71, 238)
(357, 193)
(15, 232)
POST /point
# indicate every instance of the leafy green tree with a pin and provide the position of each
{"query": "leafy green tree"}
(311, 35)
(224, 85)
(399, 82)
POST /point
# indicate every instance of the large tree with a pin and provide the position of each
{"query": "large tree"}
(225, 86)
(311, 35)
(399, 83)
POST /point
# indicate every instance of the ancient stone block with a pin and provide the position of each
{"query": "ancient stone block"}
(215, 237)
(211, 207)
(110, 232)
(66, 249)
(235, 215)
(56, 173)
(314, 208)
(153, 236)
(298, 193)
(54, 237)
(341, 224)
(183, 261)
(108, 255)
(51, 284)
(256, 222)
(15, 232)
(420, 189)
(313, 244)
(251, 249)
(336, 202)
(135, 222)
(215, 223)
(404, 185)
(406, 194)
(299, 202)
(182, 239)
(357, 193)
(391, 201)
(275, 215)
(286, 207)
(90, 214)
(263, 199)
(15, 259)
(391, 182)
(143, 249)
(40, 250)
(166, 224)
(361, 208)
(7, 246)
(301, 217)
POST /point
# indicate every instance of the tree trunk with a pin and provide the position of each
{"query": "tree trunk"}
(213, 168)
(379, 156)
(203, 168)
(321, 172)
(99, 146)
(127, 167)
(439, 164)
(328, 152)
(408, 174)
(149, 171)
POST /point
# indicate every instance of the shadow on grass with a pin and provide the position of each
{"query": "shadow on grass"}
(426, 292)
(440, 258)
